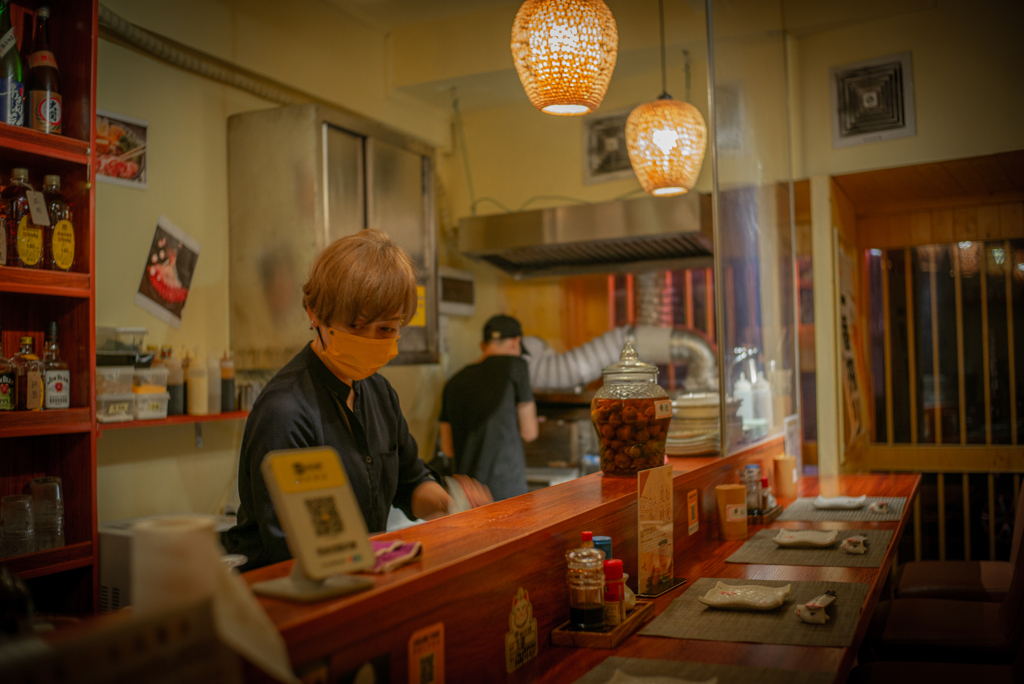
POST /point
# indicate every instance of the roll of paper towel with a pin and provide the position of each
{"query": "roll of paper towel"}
(177, 560)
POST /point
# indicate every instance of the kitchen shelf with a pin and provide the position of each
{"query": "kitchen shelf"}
(37, 281)
(176, 420)
(27, 423)
(45, 145)
(50, 561)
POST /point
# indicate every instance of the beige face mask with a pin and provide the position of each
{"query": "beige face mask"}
(355, 357)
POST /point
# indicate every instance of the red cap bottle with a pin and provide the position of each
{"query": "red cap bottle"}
(613, 569)
(588, 540)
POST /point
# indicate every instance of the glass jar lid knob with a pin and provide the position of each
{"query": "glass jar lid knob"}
(630, 363)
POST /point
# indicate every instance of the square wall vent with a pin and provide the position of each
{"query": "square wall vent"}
(872, 100)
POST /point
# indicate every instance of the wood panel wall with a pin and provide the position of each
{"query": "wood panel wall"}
(914, 228)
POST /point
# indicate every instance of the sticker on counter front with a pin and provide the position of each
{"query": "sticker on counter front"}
(426, 655)
(37, 206)
(521, 638)
(736, 512)
(691, 511)
(654, 534)
(420, 317)
(662, 409)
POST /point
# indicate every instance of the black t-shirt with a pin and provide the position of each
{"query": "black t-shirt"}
(304, 406)
(479, 403)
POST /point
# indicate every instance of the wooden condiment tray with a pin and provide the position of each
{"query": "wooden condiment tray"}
(766, 518)
(611, 637)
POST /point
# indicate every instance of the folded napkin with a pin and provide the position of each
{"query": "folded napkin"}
(392, 555)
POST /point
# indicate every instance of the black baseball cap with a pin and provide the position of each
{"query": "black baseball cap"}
(502, 327)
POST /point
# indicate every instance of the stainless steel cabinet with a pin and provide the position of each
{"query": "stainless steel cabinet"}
(299, 178)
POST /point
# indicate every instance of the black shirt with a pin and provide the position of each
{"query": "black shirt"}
(304, 406)
(480, 402)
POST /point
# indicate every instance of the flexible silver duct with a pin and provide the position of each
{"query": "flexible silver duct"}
(579, 367)
(196, 62)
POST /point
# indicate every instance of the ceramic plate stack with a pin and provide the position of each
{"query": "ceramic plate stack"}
(694, 428)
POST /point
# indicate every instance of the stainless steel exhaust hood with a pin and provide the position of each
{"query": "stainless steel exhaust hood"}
(623, 235)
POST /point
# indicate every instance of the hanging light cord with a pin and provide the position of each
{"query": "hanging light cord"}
(686, 71)
(661, 23)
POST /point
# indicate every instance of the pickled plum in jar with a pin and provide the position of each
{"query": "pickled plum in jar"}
(632, 433)
(631, 414)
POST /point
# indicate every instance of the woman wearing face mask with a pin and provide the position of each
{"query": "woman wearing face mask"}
(361, 289)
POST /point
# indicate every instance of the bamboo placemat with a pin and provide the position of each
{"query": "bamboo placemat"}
(688, 618)
(761, 550)
(803, 509)
(700, 672)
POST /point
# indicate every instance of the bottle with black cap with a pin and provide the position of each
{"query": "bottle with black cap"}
(56, 375)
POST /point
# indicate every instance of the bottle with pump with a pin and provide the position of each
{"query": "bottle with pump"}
(227, 383)
(46, 112)
(30, 376)
(198, 379)
(213, 384)
(60, 234)
(8, 383)
(25, 244)
(56, 375)
(12, 82)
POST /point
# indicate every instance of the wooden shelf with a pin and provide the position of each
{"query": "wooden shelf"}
(30, 423)
(176, 420)
(37, 281)
(44, 144)
(50, 561)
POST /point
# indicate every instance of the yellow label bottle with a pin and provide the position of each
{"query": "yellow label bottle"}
(60, 235)
(29, 243)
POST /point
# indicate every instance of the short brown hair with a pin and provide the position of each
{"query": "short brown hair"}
(360, 278)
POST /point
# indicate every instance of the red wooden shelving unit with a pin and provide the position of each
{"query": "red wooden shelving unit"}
(61, 443)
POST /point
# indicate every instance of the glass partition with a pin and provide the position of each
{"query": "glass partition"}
(754, 250)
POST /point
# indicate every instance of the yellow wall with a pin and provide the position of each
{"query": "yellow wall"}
(310, 46)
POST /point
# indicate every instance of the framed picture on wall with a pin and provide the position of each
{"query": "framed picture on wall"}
(604, 147)
(872, 100)
(121, 149)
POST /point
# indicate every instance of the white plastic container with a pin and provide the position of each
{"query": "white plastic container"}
(213, 386)
(120, 339)
(151, 406)
(742, 392)
(115, 408)
(198, 388)
(114, 380)
(761, 393)
(147, 380)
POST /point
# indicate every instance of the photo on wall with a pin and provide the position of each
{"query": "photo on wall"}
(121, 149)
(168, 272)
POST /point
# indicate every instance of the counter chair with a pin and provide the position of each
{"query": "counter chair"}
(963, 580)
(948, 630)
(939, 673)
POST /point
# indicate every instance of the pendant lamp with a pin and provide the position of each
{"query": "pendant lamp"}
(666, 139)
(564, 51)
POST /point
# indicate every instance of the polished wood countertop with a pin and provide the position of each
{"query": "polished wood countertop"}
(474, 562)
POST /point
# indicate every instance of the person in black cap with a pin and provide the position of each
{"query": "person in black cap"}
(487, 412)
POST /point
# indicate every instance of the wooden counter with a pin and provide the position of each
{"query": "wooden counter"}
(474, 563)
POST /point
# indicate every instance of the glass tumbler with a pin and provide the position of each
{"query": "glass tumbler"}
(48, 512)
(19, 527)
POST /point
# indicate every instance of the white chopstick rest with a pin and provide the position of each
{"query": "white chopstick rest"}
(857, 544)
(813, 612)
(879, 507)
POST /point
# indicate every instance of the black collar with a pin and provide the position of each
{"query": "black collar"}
(324, 375)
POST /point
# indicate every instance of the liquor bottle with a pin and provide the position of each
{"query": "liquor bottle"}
(30, 376)
(60, 234)
(8, 383)
(25, 244)
(12, 83)
(56, 374)
(28, 27)
(43, 79)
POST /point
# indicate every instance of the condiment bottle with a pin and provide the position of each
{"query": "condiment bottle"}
(614, 593)
(198, 388)
(604, 543)
(213, 384)
(227, 383)
(752, 480)
(175, 383)
(587, 540)
(186, 361)
(586, 589)
(30, 376)
(765, 491)
(60, 234)
(8, 383)
(46, 106)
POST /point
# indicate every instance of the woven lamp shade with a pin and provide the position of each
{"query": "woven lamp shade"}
(666, 140)
(564, 51)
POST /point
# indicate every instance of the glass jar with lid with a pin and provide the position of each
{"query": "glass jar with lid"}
(631, 414)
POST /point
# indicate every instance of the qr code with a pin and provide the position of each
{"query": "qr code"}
(326, 521)
(427, 669)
